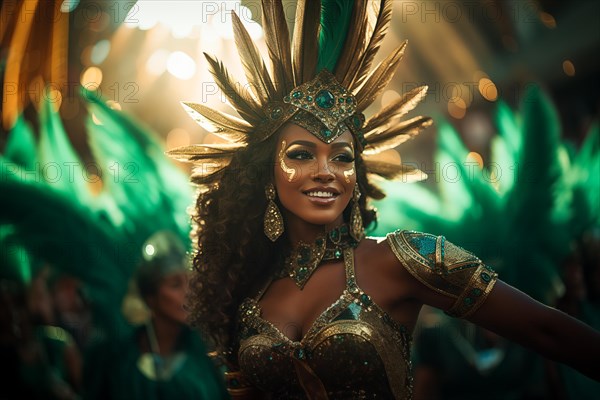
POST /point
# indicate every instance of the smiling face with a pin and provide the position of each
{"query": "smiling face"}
(314, 180)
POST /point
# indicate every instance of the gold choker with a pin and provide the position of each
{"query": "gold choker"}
(306, 257)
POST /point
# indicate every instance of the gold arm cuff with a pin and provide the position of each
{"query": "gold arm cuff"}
(479, 287)
(445, 268)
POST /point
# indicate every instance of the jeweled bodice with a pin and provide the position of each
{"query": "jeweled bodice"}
(354, 350)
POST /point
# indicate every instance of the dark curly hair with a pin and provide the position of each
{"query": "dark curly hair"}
(234, 258)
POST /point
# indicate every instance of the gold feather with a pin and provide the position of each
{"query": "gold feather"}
(244, 104)
(379, 78)
(396, 110)
(207, 152)
(396, 135)
(379, 32)
(305, 48)
(354, 44)
(277, 38)
(209, 160)
(254, 66)
(394, 171)
(226, 126)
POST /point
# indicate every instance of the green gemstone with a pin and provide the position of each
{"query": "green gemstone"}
(334, 235)
(338, 253)
(325, 99)
(319, 241)
(304, 256)
(302, 271)
(341, 100)
(326, 133)
(485, 277)
(468, 301)
(309, 98)
(286, 99)
(299, 354)
(349, 100)
(476, 292)
(297, 94)
(365, 299)
(276, 113)
(344, 229)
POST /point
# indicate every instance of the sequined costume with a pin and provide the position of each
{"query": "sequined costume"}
(354, 350)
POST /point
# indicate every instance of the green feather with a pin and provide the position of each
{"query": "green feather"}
(20, 147)
(335, 21)
(517, 227)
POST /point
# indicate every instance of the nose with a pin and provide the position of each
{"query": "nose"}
(323, 172)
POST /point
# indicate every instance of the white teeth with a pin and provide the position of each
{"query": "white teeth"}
(320, 194)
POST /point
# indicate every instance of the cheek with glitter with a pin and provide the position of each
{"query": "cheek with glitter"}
(348, 174)
(291, 172)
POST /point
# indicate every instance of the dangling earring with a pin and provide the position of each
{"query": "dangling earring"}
(273, 221)
(357, 230)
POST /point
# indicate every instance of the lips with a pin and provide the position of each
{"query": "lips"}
(322, 195)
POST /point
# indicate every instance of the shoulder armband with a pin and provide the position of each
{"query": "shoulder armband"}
(445, 268)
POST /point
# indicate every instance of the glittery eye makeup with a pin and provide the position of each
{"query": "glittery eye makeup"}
(291, 172)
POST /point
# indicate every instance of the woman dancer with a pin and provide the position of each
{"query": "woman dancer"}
(299, 303)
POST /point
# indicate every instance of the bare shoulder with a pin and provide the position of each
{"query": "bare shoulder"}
(383, 266)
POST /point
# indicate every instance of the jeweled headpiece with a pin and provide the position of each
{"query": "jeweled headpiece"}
(322, 81)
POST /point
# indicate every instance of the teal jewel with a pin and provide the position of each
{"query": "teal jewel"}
(319, 242)
(299, 354)
(304, 256)
(326, 133)
(325, 99)
(468, 301)
(286, 99)
(338, 253)
(309, 98)
(356, 121)
(341, 100)
(485, 277)
(344, 229)
(297, 95)
(476, 292)
(365, 299)
(276, 113)
(301, 274)
(334, 235)
(349, 100)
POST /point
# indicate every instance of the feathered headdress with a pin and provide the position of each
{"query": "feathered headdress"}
(323, 81)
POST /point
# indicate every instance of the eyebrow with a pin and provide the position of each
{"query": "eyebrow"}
(314, 145)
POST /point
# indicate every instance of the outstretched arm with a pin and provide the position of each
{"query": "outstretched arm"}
(554, 334)
(447, 277)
